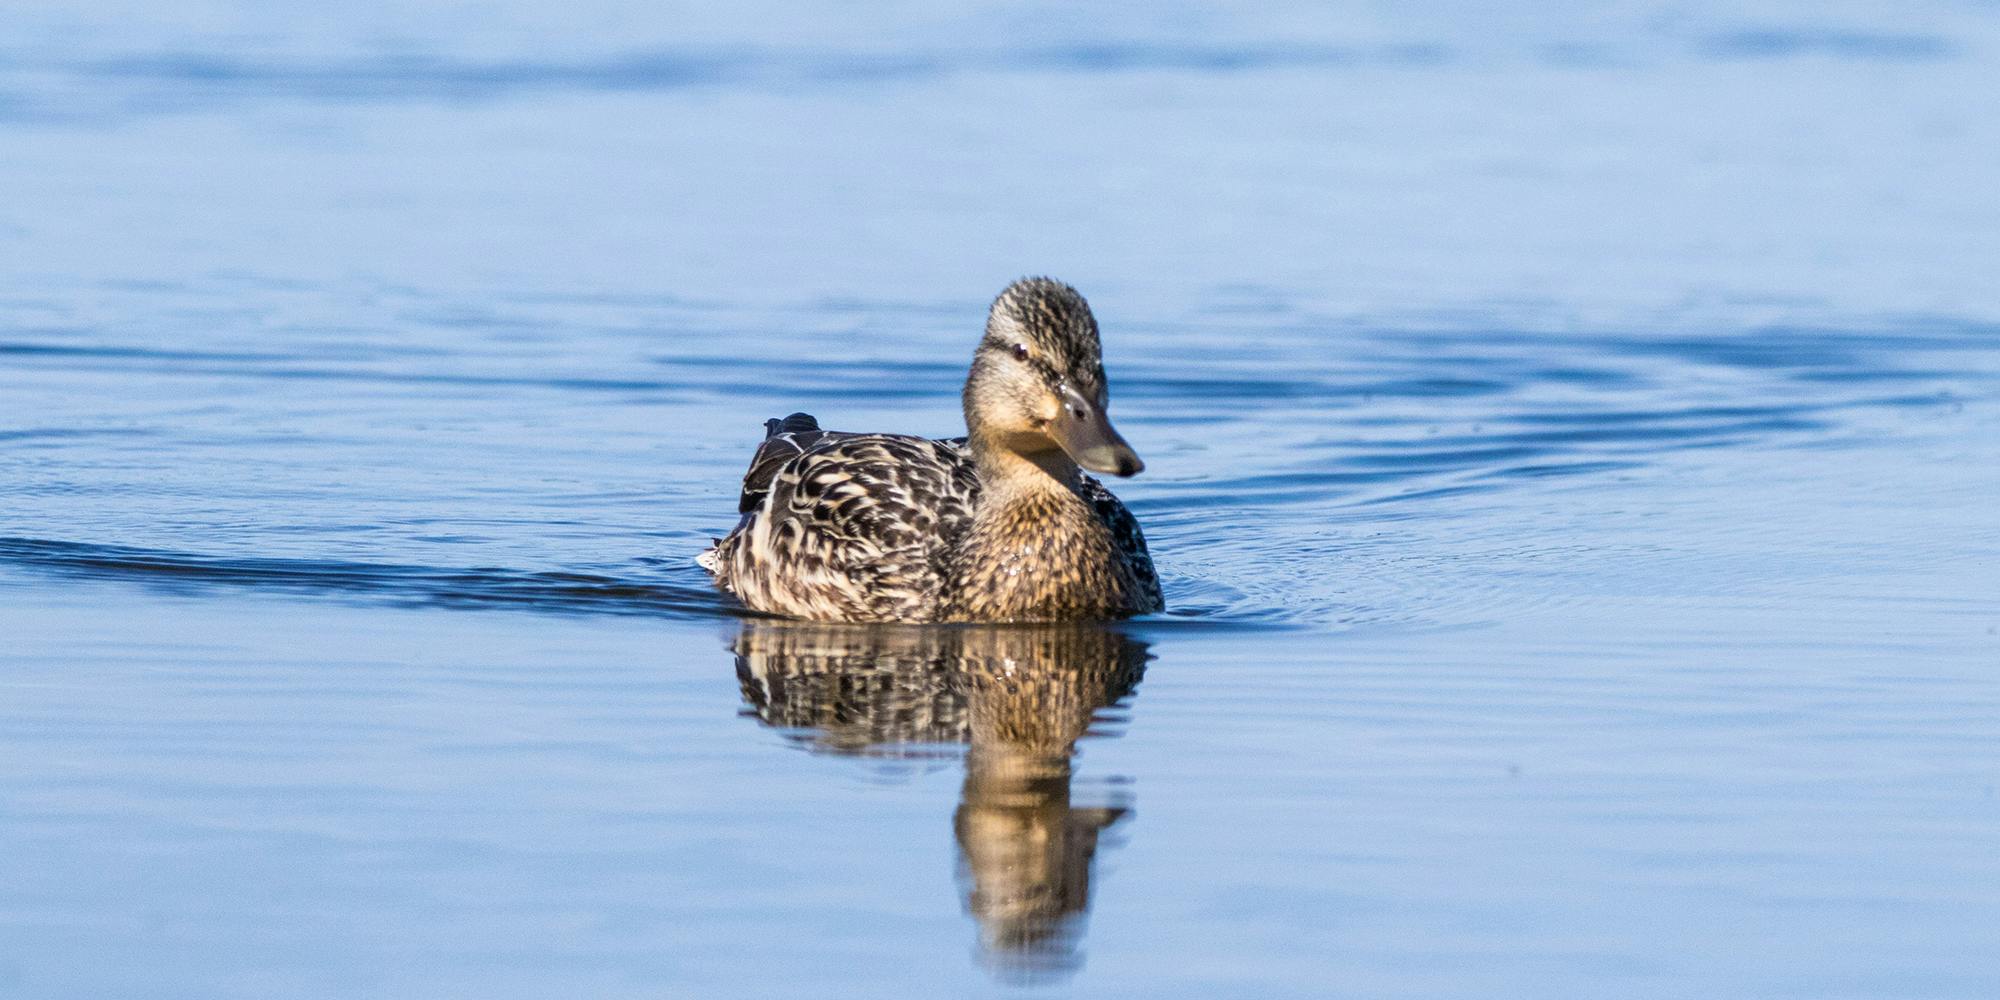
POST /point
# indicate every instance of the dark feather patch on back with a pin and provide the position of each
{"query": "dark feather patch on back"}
(784, 440)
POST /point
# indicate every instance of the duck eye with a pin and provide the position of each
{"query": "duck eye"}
(1021, 352)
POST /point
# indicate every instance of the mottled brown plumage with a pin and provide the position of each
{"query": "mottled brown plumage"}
(1001, 525)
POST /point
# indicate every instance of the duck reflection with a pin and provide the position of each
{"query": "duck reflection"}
(1019, 697)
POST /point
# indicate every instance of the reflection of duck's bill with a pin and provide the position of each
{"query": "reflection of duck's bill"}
(1027, 875)
(1085, 434)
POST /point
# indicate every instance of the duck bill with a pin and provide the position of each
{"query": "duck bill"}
(1086, 435)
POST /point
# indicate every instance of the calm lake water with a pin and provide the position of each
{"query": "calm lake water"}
(1572, 443)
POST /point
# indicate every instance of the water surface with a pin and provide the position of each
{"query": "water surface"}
(1571, 446)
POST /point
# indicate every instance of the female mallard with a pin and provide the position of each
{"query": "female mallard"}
(1000, 525)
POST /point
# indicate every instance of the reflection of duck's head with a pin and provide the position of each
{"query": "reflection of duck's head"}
(1021, 696)
(1027, 847)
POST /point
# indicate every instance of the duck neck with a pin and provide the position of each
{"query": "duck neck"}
(1010, 472)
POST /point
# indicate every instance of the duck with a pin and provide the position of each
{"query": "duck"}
(1000, 525)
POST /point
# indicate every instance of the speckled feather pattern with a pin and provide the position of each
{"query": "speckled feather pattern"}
(1052, 556)
(879, 527)
(1061, 327)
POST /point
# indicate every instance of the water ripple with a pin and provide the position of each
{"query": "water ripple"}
(1271, 460)
(1866, 46)
(153, 82)
(577, 593)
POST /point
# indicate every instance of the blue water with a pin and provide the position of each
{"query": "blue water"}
(1572, 442)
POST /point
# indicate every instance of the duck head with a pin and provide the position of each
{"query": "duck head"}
(1037, 383)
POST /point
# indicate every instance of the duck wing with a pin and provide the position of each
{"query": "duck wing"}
(842, 526)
